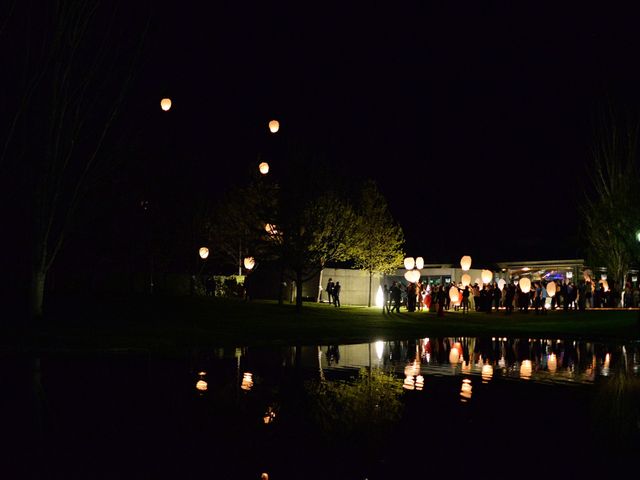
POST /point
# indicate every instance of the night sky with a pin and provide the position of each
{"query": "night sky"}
(475, 120)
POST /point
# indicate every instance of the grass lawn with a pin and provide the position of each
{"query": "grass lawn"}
(173, 324)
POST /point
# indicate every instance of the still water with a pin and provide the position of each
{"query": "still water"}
(482, 407)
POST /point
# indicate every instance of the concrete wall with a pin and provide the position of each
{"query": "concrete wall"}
(354, 285)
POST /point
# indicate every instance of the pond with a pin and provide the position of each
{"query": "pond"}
(521, 407)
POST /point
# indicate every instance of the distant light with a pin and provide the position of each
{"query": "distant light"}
(379, 297)
(526, 269)
(379, 349)
(204, 252)
(274, 126)
(638, 235)
(569, 274)
(201, 385)
(465, 263)
(264, 168)
(165, 104)
(419, 263)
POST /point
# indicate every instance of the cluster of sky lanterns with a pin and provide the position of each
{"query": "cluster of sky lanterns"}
(249, 262)
(413, 267)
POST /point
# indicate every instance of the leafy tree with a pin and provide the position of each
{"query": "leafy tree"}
(379, 239)
(611, 211)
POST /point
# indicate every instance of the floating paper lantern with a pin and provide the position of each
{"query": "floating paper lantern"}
(466, 280)
(264, 168)
(204, 252)
(551, 289)
(409, 276)
(415, 275)
(454, 295)
(165, 104)
(202, 385)
(486, 275)
(409, 263)
(249, 263)
(501, 283)
(274, 126)
(465, 263)
(419, 263)
(525, 285)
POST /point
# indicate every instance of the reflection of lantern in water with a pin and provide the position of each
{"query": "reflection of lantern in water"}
(605, 367)
(409, 383)
(203, 252)
(247, 381)
(486, 275)
(487, 373)
(379, 349)
(419, 263)
(419, 382)
(465, 390)
(269, 416)
(466, 280)
(525, 285)
(465, 263)
(552, 363)
(409, 263)
(525, 369)
(454, 356)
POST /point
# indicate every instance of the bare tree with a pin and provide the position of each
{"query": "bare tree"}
(77, 67)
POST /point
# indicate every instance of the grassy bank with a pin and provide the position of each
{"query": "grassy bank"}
(170, 324)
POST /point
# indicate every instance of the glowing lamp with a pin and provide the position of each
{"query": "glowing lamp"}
(409, 263)
(465, 263)
(486, 275)
(466, 280)
(274, 126)
(165, 104)
(264, 168)
(525, 285)
(249, 263)
(379, 297)
(204, 252)
(419, 263)
(501, 283)
(454, 295)
(552, 289)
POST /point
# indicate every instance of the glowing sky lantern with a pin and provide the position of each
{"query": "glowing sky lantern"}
(466, 280)
(274, 126)
(408, 276)
(419, 263)
(203, 252)
(415, 275)
(551, 289)
(525, 285)
(486, 275)
(454, 295)
(409, 263)
(202, 385)
(465, 263)
(249, 263)
(165, 104)
(501, 283)
(264, 168)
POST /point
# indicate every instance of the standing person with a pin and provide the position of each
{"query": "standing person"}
(387, 299)
(330, 286)
(497, 296)
(476, 297)
(441, 299)
(336, 294)
(508, 299)
(465, 299)
(395, 294)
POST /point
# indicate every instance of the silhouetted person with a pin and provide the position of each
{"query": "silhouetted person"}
(330, 286)
(396, 295)
(336, 294)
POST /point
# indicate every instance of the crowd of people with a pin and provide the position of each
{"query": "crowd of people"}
(568, 296)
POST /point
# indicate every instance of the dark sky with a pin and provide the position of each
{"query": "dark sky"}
(475, 120)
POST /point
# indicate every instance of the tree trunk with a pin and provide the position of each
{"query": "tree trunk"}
(298, 291)
(370, 279)
(36, 294)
